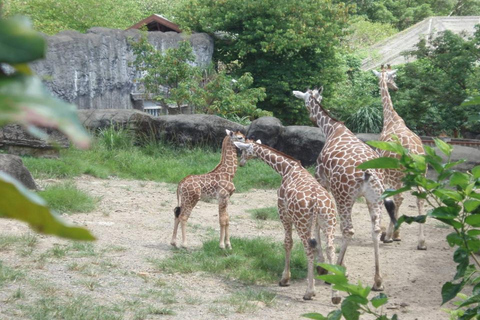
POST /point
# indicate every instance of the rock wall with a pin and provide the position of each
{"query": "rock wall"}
(94, 70)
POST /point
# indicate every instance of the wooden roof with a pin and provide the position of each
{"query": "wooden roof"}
(156, 23)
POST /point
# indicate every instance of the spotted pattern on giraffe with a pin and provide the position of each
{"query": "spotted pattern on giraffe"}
(394, 127)
(216, 184)
(337, 171)
(303, 203)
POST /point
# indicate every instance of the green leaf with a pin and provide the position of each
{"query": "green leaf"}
(470, 300)
(16, 202)
(335, 315)
(476, 172)
(391, 192)
(19, 43)
(333, 278)
(443, 213)
(471, 205)
(315, 316)
(454, 239)
(333, 268)
(379, 300)
(447, 193)
(444, 147)
(459, 179)
(473, 220)
(453, 164)
(450, 290)
(473, 232)
(25, 100)
(381, 163)
(350, 309)
(461, 257)
(388, 146)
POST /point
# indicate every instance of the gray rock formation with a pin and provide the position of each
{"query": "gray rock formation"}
(16, 140)
(267, 129)
(13, 165)
(94, 70)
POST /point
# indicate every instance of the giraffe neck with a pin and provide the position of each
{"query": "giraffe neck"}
(228, 161)
(279, 161)
(389, 114)
(323, 120)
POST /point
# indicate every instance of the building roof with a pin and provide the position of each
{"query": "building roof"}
(156, 22)
(389, 51)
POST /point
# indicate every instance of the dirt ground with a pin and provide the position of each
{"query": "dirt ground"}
(133, 223)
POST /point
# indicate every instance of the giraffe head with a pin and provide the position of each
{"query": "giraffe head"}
(247, 150)
(388, 76)
(307, 97)
(235, 136)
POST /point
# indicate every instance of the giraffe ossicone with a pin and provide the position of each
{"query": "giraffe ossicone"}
(216, 184)
(303, 203)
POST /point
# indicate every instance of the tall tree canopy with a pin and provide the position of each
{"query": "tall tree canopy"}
(284, 44)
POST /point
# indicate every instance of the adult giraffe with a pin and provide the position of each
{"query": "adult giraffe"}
(337, 171)
(394, 126)
(216, 184)
(303, 203)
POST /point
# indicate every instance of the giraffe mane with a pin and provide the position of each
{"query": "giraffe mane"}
(326, 112)
(279, 152)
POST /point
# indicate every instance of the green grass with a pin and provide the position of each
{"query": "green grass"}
(155, 160)
(252, 261)
(270, 213)
(67, 198)
(27, 240)
(247, 300)
(8, 274)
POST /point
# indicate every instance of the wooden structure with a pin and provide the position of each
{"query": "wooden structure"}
(156, 22)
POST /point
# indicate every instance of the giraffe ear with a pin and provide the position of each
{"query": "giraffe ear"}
(392, 72)
(375, 72)
(229, 133)
(299, 94)
(320, 90)
(259, 141)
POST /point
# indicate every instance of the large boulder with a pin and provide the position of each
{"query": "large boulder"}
(267, 129)
(16, 140)
(13, 165)
(98, 119)
(194, 129)
(301, 142)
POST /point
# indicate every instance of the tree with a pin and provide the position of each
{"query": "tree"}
(24, 100)
(433, 88)
(284, 45)
(171, 77)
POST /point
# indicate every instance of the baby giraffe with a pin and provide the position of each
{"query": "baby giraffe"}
(216, 184)
(302, 202)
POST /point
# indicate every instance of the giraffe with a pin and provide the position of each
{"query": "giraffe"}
(216, 184)
(337, 171)
(303, 203)
(394, 125)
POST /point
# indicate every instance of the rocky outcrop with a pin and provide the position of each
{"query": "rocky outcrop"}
(95, 71)
(13, 165)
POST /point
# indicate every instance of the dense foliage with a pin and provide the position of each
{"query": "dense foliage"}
(170, 77)
(285, 45)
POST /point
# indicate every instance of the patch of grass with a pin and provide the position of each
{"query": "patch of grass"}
(155, 160)
(252, 261)
(80, 307)
(249, 300)
(8, 274)
(23, 243)
(270, 213)
(67, 198)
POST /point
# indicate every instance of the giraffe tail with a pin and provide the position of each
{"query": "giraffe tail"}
(177, 211)
(390, 206)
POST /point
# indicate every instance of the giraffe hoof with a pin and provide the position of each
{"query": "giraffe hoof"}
(308, 296)
(284, 283)
(377, 288)
(421, 247)
(397, 239)
(336, 300)
(173, 244)
(387, 241)
(382, 236)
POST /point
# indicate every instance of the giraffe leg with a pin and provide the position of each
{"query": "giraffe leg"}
(375, 209)
(183, 217)
(288, 243)
(309, 250)
(329, 232)
(345, 213)
(174, 236)
(320, 257)
(421, 226)
(224, 222)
